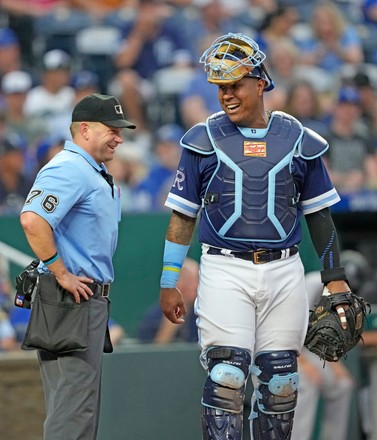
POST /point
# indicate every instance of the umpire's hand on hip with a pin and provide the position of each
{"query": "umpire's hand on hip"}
(76, 285)
(172, 305)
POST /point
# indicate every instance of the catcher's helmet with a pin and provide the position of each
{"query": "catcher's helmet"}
(232, 57)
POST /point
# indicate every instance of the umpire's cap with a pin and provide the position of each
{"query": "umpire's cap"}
(101, 108)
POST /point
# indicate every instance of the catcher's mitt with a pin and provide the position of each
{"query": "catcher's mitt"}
(326, 337)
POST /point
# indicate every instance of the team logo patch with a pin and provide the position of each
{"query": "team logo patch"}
(118, 109)
(179, 179)
(254, 149)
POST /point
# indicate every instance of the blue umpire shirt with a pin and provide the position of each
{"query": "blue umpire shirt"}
(84, 213)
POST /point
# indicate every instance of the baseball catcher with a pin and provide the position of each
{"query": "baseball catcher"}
(336, 324)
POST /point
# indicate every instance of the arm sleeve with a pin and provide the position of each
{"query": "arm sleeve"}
(325, 240)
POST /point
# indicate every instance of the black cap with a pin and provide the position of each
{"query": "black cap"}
(361, 79)
(101, 108)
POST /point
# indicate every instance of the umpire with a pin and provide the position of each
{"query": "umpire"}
(70, 219)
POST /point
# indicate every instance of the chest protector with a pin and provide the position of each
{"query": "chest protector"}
(252, 195)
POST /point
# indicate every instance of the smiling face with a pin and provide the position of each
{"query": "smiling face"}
(98, 139)
(242, 101)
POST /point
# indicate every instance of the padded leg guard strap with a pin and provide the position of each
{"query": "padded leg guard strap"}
(221, 425)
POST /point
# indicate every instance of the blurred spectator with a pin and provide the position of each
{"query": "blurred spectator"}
(209, 18)
(54, 96)
(10, 51)
(277, 25)
(254, 14)
(368, 97)
(14, 185)
(85, 82)
(152, 191)
(117, 333)
(369, 15)
(21, 15)
(154, 327)
(282, 62)
(282, 67)
(47, 149)
(129, 168)
(6, 302)
(351, 158)
(304, 103)
(99, 10)
(14, 86)
(198, 100)
(43, 25)
(331, 382)
(8, 340)
(151, 42)
(333, 42)
(19, 319)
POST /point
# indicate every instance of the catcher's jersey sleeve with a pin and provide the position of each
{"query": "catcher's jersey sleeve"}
(317, 190)
(186, 193)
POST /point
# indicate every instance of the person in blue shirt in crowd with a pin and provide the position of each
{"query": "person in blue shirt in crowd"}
(70, 219)
(197, 101)
(150, 42)
(150, 193)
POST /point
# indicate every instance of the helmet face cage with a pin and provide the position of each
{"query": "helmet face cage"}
(233, 56)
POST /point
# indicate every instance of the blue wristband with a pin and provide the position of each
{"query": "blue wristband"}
(174, 256)
(51, 260)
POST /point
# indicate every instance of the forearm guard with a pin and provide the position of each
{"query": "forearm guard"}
(325, 240)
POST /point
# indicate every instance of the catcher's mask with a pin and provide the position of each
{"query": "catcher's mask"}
(232, 57)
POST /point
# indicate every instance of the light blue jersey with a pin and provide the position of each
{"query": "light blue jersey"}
(82, 209)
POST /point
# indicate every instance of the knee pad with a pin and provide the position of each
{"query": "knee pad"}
(275, 395)
(224, 393)
(228, 369)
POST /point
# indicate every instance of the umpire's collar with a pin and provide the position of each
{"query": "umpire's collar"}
(74, 148)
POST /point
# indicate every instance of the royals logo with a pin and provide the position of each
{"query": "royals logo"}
(254, 149)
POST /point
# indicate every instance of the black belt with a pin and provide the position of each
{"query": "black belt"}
(260, 256)
(100, 290)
